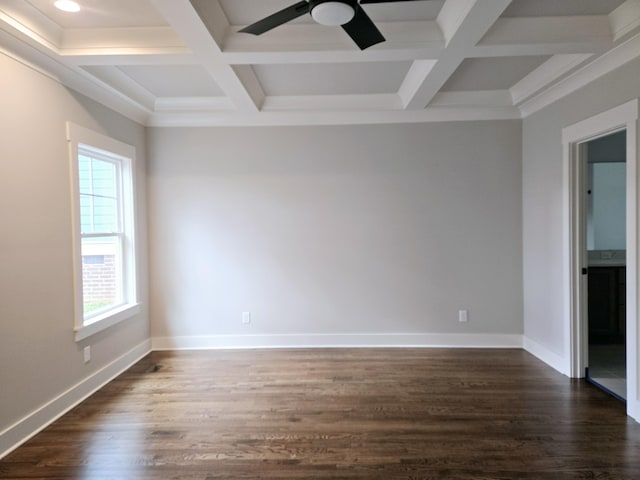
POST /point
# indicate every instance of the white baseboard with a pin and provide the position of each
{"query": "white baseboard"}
(24, 429)
(397, 340)
(547, 356)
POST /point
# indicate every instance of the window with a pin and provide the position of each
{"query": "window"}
(104, 244)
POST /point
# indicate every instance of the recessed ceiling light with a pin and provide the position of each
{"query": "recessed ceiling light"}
(67, 5)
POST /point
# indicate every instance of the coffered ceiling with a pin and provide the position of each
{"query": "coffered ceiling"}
(183, 62)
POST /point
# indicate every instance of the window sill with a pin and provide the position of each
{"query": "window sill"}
(109, 319)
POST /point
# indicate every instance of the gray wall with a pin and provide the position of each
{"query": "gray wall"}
(316, 230)
(39, 358)
(542, 198)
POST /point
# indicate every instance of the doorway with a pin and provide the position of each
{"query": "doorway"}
(605, 189)
(575, 257)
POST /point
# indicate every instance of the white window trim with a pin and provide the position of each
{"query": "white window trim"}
(78, 136)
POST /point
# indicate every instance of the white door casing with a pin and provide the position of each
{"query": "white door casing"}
(623, 117)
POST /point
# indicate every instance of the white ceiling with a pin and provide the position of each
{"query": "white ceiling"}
(331, 78)
(183, 62)
(244, 12)
(102, 14)
(562, 8)
(492, 73)
(173, 81)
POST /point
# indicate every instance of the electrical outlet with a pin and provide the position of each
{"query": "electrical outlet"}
(87, 354)
(463, 316)
(246, 318)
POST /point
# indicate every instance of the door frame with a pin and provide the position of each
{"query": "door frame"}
(623, 117)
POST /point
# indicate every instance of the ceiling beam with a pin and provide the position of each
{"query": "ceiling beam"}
(415, 79)
(463, 24)
(182, 16)
(387, 53)
(301, 42)
(315, 44)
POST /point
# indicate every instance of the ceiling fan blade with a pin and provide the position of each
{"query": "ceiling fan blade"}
(362, 30)
(283, 16)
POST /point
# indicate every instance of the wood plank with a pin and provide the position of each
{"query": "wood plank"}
(339, 414)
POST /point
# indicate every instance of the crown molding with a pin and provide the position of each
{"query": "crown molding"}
(315, 117)
(547, 73)
(31, 23)
(625, 19)
(76, 79)
(605, 63)
(115, 78)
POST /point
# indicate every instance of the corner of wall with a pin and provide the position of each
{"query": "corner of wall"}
(558, 362)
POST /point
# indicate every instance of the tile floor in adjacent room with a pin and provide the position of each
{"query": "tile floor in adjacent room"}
(607, 367)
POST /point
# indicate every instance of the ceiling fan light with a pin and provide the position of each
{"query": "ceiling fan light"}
(333, 13)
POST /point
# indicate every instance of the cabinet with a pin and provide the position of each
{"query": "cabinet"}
(607, 304)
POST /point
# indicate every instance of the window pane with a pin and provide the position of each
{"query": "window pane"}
(105, 215)
(99, 191)
(104, 176)
(101, 280)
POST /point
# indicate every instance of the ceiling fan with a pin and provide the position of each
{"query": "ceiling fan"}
(346, 13)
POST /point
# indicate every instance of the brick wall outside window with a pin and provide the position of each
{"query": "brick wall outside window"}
(99, 279)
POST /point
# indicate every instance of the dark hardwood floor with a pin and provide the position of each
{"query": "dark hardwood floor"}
(337, 414)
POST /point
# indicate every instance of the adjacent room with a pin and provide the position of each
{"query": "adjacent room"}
(325, 239)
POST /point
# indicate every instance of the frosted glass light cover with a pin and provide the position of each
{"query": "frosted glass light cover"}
(332, 13)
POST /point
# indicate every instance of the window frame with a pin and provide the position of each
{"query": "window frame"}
(82, 139)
